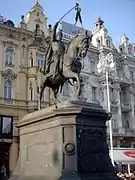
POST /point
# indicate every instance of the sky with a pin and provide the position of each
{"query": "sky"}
(118, 15)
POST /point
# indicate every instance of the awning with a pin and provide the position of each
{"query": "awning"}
(124, 156)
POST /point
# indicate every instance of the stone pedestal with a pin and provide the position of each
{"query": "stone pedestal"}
(64, 143)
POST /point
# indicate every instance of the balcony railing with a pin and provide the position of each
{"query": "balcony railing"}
(34, 104)
(129, 131)
(126, 107)
(22, 103)
(39, 34)
(124, 80)
(126, 132)
(122, 132)
(12, 102)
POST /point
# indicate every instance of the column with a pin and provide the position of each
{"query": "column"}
(132, 111)
(119, 114)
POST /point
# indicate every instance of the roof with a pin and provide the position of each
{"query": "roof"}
(72, 29)
(36, 5)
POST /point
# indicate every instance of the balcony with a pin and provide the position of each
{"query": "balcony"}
(114, 103)
(23, 104)
(39, 34)
(115, 131)
(33, 105)
(126, 107)
(14, 103)
(130, 132)
(124, 81)
(127, 132)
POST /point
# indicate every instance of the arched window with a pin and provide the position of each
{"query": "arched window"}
(8, 89)
(98, 43)
(31, 91)
(127, 124)
(37, 27)
(108, 43)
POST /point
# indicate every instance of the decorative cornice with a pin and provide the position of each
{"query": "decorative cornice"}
(9, 74)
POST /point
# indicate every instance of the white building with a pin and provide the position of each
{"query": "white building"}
(122, 82)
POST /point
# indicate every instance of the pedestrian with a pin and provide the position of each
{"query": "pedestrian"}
(4, 173)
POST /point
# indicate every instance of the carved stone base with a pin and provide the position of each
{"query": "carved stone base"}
(64, 143)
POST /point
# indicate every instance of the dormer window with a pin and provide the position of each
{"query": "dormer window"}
(40, 60)
(37, 27)
(38, 32)
(98, 43)
(107, 43)
(130, 50)
(121, 50)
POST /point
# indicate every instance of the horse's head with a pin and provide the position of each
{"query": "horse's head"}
(82, 45)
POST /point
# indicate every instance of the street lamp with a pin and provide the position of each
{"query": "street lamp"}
(106, 65)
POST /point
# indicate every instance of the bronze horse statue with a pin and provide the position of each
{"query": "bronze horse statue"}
(76, 50)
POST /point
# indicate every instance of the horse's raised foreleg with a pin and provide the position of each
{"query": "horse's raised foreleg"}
(75, 77)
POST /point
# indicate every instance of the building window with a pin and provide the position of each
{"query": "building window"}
(82, 93)
(131, 75)
(98, 43)
(40, 60)
(37, 27)
(130, 50)
(6, 124)
(9, 57)
(127, 124)
(8, 89)
(114, 124)
(31, 91)
(94, 94)
(134, 99)
(112, 94)
(102, 96)
(120, 49)
(92, 66)
(22, 54)
(31, 60)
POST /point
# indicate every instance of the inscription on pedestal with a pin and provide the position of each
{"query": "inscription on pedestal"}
(92, 150)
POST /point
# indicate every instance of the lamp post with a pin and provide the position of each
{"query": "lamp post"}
(106, 65)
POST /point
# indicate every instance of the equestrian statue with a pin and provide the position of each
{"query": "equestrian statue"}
(62, 63)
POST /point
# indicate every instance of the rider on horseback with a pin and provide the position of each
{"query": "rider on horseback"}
(55, 52)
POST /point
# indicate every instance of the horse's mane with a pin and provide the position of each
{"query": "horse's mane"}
(71, 42)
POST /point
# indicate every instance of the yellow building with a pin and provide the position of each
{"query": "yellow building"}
(21, 52)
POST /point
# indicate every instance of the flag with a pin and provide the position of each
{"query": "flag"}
(78, 14)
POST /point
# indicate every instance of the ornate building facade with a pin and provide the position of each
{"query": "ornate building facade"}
(22, 53)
